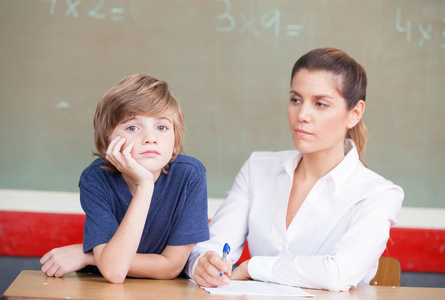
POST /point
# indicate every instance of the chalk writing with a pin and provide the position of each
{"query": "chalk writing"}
(228, 17)
(254, 24)
(95, 12)
(63, 104)
(98, 10)
(403, 28)
(294, 30)
(272, 19)
(72, 8)
(425, 31)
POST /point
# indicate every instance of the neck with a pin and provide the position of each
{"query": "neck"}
(132, 186)
(313, 166)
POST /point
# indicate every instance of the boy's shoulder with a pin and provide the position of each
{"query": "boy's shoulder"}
(94, 168)
(185, 161)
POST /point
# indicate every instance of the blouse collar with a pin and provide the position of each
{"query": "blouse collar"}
(346, 167)
(339, 174)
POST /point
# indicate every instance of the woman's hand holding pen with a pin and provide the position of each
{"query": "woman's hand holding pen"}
(209, 268)
(241, 272)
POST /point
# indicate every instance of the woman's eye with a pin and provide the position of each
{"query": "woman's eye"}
(321, 104)
(295, 100)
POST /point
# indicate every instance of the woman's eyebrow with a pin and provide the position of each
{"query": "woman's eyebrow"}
(293, 92)
(321, 96)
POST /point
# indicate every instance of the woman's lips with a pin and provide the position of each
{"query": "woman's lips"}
(301, 132)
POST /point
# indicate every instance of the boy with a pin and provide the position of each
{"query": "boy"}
(145, 204)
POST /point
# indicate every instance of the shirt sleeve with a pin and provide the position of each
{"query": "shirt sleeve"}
(229, 224)
(352, 258)
(192, 226)
(100, 222)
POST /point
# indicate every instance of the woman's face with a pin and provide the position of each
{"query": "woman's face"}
(317, 113)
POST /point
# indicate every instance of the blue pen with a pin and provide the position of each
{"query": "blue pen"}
(226, 251)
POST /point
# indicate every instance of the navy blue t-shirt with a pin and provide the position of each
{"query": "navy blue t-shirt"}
(177, 214)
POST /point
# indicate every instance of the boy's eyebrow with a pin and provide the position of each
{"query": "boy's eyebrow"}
(165, 118)
(128, 119)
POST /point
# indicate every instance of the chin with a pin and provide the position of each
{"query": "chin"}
(301, 146)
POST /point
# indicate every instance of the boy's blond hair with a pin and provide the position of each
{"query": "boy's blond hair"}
(132, 96)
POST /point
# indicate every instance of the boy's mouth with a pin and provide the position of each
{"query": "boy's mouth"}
(150, 153)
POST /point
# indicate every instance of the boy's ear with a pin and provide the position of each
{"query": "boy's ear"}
(356, 114)
(175, 151)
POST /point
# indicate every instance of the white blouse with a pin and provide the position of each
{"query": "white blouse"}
(335, 239)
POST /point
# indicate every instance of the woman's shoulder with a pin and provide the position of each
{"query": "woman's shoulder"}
(268, 162)
(359, 177)
(373, 183)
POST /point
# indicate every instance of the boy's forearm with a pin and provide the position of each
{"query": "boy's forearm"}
(115, 258)
(89, 259)
(166, 265)
(152, 266)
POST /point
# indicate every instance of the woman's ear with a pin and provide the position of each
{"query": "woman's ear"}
(356, 114)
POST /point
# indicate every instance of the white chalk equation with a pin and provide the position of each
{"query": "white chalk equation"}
(425, 30)
(96, 9)
(229, 22)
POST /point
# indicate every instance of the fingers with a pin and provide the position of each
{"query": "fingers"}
(45, 258)
(120, 155)
(114, 154)
(55, 263)
(48, 265)
(241, 272)
(216, 261)
(127, 150)
(209, 268)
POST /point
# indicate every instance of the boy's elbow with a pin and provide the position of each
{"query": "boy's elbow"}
(114, 278)
(112, 275)
(172, 273)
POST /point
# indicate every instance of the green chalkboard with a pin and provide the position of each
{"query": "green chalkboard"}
(228, 62)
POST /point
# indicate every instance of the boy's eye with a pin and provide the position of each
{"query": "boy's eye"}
(132, 128)
(162, 128)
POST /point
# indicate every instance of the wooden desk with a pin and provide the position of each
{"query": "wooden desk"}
(36, 285)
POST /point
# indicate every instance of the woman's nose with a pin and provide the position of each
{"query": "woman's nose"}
(303, 114)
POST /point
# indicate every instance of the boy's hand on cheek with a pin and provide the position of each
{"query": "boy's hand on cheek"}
(126, 164)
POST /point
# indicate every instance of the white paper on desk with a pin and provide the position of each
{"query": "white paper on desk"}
(251, 287)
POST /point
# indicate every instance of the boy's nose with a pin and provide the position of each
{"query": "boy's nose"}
(150, 138)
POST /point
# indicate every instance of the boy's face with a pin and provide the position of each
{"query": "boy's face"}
(153, 137)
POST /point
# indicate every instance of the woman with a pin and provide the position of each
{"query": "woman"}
(313, 217)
